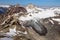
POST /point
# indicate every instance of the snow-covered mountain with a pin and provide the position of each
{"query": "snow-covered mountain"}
(11, 25)
(5, 6)
(43, 13)
(36, 13)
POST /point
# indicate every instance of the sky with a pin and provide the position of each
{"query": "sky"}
(35, 2)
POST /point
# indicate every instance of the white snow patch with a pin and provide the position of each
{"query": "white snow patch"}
(23, 18)
(39, 15)
(56, 19)
(51, 21)
(12, 32)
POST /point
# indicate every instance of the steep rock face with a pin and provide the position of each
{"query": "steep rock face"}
(13, 28)
(16, 9)
(10, 25)
(11, 14)
(11, 11)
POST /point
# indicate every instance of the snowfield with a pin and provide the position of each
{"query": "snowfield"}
(39, 13)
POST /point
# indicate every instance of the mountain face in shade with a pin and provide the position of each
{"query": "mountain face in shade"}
(3, 10)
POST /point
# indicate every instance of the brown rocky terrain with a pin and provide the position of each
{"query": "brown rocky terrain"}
(12, 22)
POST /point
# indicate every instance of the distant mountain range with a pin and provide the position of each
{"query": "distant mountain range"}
(4, 5)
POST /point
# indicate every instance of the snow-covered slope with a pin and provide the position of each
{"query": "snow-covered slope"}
(39, 13)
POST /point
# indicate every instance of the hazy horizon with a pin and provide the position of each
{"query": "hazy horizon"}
(35, 2)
